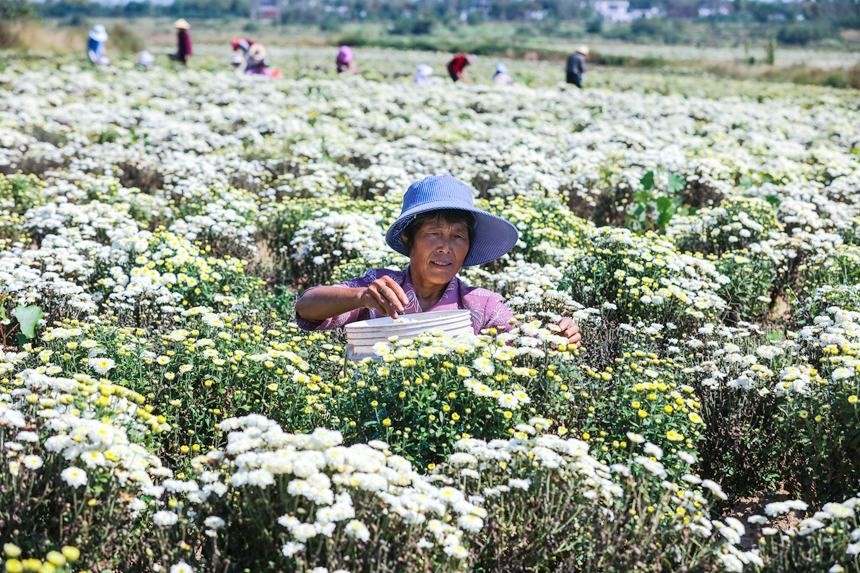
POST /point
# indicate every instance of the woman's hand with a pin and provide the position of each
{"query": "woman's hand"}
(570, 330)
(386, 296)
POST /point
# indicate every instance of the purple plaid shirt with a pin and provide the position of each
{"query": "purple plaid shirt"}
(487, 308)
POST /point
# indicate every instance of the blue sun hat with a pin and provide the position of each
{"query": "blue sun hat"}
(492, 237)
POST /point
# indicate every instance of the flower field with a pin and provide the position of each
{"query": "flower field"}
(161, 411)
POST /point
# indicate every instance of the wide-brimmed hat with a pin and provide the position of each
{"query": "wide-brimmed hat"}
(257, 52)
(492, 236)
(182, 24)
(583, 50)
(98, 33)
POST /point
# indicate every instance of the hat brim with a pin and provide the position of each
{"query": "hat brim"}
(99, 37)
(492, 238)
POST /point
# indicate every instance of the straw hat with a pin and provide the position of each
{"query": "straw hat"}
(583, 50)
(493, 236)
(98, 33)
(182, 24)
(257, 52)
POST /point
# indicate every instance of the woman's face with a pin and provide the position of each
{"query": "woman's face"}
(438, 251)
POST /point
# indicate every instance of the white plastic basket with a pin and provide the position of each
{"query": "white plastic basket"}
(361, 336)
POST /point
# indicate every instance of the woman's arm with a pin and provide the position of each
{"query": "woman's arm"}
(322, 302)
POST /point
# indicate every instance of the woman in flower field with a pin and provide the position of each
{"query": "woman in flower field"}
(440, 230)
(457, 66)
(344, 60)
(183, 41)
(96, 43)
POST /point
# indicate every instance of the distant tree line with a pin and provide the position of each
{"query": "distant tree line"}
(798, 22)
(134, 8)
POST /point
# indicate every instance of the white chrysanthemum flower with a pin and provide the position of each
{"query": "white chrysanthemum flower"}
(842, 373)
(74, 477)
(101, 364)
(653, 450)
(456, 551)
(164, 518)
(357, 530)
(29, 437)
(516, 483)
(508, 401)
(182, 567)
(291, 548)
(653, 467)
(214, 522)
(32, 462)
(484, 365)
(471, 523)
(715, 489)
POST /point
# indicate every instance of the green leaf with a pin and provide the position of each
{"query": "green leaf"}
(647, 180)
(643, 196)
(28, 317)
(773, 200)
(676, 183)
(664, 204)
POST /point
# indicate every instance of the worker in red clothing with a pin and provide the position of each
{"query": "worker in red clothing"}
(240, 51)
(183, 41)
(457, 66)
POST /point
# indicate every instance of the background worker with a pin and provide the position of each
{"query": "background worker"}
(457, 66)
(96, 44)
(183, 41)
(575, 67)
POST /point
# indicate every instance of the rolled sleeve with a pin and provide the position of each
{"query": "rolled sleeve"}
(497, 314)
(340, 320)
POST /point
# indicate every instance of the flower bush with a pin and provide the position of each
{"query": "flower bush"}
(167, 414)
(643, 278)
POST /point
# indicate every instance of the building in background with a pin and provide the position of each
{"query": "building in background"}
(614, 11)
(266, 10)
(715, 8)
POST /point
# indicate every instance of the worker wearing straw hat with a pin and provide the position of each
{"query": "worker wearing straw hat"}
(255, 59)
(183, 41)
(256, 64)
(441, 231)
(575, 68)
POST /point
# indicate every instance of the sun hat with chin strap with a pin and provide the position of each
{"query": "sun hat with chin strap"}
(492, 236)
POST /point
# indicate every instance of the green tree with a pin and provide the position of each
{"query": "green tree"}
(15, 9)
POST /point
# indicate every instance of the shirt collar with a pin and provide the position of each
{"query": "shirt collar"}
(449, 297)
